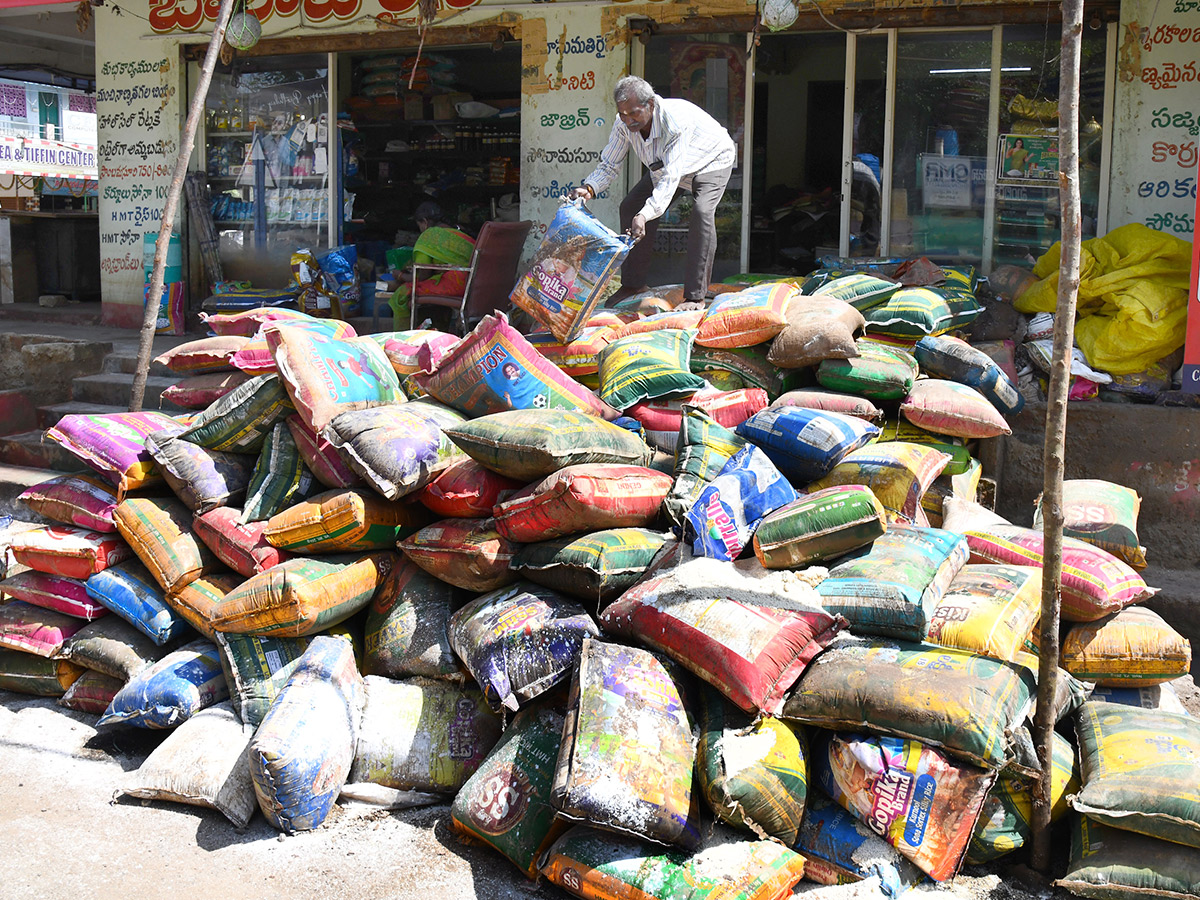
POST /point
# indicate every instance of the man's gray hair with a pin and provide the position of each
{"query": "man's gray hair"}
(633, 88)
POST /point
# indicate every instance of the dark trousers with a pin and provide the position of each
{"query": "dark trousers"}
(707, 190)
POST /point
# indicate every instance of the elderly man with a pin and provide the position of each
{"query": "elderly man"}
(685, 149)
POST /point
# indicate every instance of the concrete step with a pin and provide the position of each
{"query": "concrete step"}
(48, 416)
(17, 411)
(122, 363)
(29, 450)
(115, 389)
(13, 481)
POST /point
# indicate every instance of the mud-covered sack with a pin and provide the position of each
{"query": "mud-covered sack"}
(241, 546)
(198, 602)
(722, 521)
(753, 775)
(420, 734)
(662, 418)
(304, 747)
(495, 369)
(82, 501)
(530, 444)
(160, 532)
(240, 421)
(822, 525)
(893, 588)
(747, 317)
(113, 647)
(898, 472)
(403, 347)
(817, 328)
(467, 553)
(805, 444)
(966, 703)
(465, 489)
(304, 595)
(1113, 864)
(583, 498)
(201, 763)
(396, 449)
(877, 372)
(748, 637)
(568, 273)
(90, 693)
(344, 521)
(506, 803)
(279, 479)
(256, 669)
(201, 391)
(211, 354)
(648, 365)
(325, 376)
(949, 357)
(1069, 692)
(627, 754)
(920, 801)
(831, 401)
(589, 863)
(1094, 582)
(595, 567)
(519, 641)
(703, 448)
(1006, 821)
(203, 479)
(1139, 770)
(900, 429)
(1102, 514)
(170, 691)
(1133, 647)
(407, 630)
(54, 592)
(39, 676)
(133, 593)
(70, 552)
(987, 609)
(322, 458)
(743, 367)
(114, 444)
(33, 629)
(840, 848)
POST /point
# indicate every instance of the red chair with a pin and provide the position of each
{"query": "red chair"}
(491, 276)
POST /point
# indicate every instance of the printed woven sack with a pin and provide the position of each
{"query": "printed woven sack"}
(422, 735)
(256, 669)
(946, 407)
(1102, 514)
(911, 312)
(70, 552)
(35, 629)
(114, 444)
(249, 322)
(255, 356)
(817, 328)
(342, 522)
(527, 445)
(506, 803)
(495, 368)
(203, 479)
(519, 642)
(1130, 648)
(396, 449)
(581, 356)
(743, 367)
(198, 601)
(898, 472)
(988, 610)
(240, 421)
(822, 525)
(753, 775)
(325, 376)
(91, 693)
(968, 704)
(893, 588)
(568, 273)
(877, 372)
(1139, 769)
(28, 673)
(53, 592)
(662, 419)
(589, 863)
(921, 802)
(899, 429)
(240, 546)
(583, 498)
(303, 596)
(860, 290)
(130, 591)
(159, 530)
(170, 691)
(202, 356)
(675, 318)
(403, 348)
(467, 553)
(748, 317)
(725, 515)
(466, 490)
(949, 357)
(1094, 583)
(805, 444)
(595, 567)
(704, 446)
(321, 457)
(627, 753)
(280, 477)
(82, 501)
(648, 365)
(831, 401)
(407, 631)
(1114, 864)
(113, 647)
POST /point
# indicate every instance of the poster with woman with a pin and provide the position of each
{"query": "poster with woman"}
(1025, 158)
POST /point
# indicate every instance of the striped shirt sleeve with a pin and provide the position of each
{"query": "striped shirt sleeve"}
(611, 157)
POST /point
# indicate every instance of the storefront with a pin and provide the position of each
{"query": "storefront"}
(860, 133)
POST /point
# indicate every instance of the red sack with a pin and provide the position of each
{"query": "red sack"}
(467, 553)
(73, 552)
(241, 547)
(466, 490)
(321, 457)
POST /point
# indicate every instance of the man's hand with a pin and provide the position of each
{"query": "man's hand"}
(637, 228)
(580, 193)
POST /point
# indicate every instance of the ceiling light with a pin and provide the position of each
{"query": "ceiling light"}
(984, 69)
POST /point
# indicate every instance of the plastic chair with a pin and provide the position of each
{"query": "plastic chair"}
(491, 275)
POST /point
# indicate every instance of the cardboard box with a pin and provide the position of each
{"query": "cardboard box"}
(414, 106)
(444, 104)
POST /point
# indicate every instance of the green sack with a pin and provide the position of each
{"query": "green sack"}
(1111, 864)
(878, 372)
(280, 477)
(241, 420)
(703, 448)
(860, 290)
(911, 312)
(596, 567)
(749, 365)
(648, 365)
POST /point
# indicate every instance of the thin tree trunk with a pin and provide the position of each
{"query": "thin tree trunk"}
(1053, 458)
(195, 110)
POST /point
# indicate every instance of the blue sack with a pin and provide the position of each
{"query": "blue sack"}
(170, 691)
(130, 591)
(805, 444)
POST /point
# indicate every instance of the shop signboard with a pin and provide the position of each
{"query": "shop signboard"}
(952, 182)
(1028, 159)
(42, 158)
(1191, 350)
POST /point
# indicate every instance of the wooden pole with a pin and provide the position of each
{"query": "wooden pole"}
(195, 110)
(1053, 458)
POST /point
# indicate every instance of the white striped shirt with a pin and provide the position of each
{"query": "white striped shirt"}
(683, 136)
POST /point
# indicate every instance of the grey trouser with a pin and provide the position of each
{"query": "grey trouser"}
(707, 190)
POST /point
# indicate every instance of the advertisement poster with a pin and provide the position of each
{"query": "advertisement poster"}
(1191, 349)
(1028, 159)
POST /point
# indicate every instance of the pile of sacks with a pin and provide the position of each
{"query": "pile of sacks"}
(420, 563)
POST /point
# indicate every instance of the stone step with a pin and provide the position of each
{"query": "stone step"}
(17, 411)
(13, 481)
(127, 364)
(48, 416)
(115, 389)
(29, 450)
